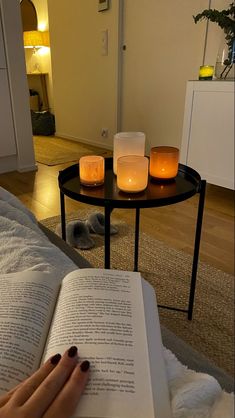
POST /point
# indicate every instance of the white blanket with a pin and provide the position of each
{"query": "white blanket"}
(23, 246)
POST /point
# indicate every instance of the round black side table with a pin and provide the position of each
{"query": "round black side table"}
(186, 184)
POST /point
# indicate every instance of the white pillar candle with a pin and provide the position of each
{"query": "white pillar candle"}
(127, 143)
(132, 173)
(91, 170)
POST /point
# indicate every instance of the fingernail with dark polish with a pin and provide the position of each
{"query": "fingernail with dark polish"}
(55, 359)
(85, 366)
(72, 351)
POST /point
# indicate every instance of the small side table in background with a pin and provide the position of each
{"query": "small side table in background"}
(186, 184)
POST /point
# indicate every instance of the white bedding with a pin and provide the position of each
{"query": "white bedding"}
(23, 246)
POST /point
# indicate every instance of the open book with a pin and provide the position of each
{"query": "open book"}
(110, 315)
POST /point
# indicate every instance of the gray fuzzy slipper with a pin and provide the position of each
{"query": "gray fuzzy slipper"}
(96, 224)
(77, 235)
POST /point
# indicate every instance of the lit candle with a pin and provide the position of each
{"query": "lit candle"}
(132, 173)
(206, 72)
(127, 143)
(91, 170)
(164, 162)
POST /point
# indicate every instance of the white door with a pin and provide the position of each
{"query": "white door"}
(2, 49)
(7, 134)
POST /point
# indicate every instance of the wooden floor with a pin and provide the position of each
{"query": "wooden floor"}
(173, 224)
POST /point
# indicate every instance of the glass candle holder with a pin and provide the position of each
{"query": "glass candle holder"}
(127, 143)
(132, 173)
(91, 170)
(206, 72)
(164, 162)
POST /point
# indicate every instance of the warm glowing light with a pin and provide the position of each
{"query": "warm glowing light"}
(206, 72)
(132, 173)
(42, 26)
(91, 170)
(164, 162)
(43, 51)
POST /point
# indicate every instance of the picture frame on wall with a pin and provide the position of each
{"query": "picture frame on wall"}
(103, 5)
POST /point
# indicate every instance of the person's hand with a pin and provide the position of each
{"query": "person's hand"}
(52, 391)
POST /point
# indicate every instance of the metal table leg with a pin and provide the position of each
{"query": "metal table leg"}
(107, 212)
(196, 248)
(62, 211)
(137, 228)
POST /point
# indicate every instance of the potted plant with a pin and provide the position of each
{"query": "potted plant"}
(225, 19)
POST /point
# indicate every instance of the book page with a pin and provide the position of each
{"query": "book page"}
(102, 312)
(160, 387)
(27, 301)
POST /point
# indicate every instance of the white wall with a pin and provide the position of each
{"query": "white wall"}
(85, 82)
(164, 49)
(215, 33)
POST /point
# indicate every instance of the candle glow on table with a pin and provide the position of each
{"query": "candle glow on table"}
(127, 143)
(206, 72)
(132, 173)
(164, 162)
(91, 170)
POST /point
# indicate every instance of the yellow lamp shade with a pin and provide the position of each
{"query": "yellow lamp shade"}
(36, 39)
(46, 38)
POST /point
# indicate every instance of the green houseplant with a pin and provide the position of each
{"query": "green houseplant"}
(225, 19)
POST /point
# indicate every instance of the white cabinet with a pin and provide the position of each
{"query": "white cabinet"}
(208, 131)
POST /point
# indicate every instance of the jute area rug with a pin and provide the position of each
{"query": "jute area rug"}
(51, 150)
(169, 272)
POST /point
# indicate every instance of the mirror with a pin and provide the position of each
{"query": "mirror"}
(29, 15)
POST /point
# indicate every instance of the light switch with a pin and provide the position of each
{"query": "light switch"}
(104, 42)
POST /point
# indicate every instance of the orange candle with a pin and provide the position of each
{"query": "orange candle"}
(132, 173)
(91, 170)
(164, 162)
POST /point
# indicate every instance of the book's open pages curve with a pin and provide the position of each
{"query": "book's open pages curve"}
(110, 315)
(27, 301)
(157, 367)
(102, 312)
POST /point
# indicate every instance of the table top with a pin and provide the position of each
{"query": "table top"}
(158, 193)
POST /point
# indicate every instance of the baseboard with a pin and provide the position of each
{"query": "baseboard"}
(27, 168)
(84, 141)
(8, 164)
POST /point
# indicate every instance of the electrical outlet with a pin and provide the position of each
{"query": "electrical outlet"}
(104, 132)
